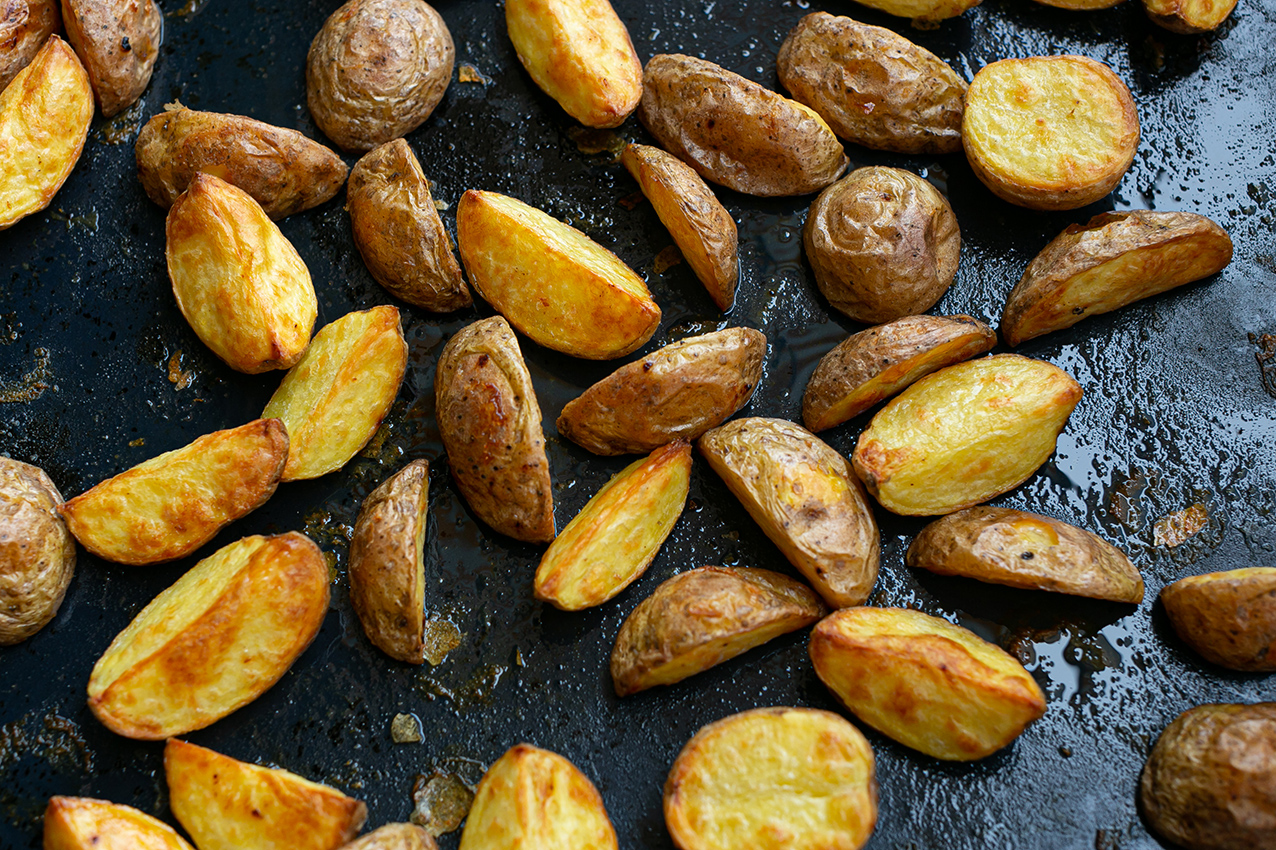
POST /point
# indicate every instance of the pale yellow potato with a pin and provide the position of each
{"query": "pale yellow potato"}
(238, 281)
(118, 41)
(225, 804)
(930, 685)
(334, 399)
(551, 281)
(81, 823)
(169, 506)
(1228, 617)
(214, 641)
(773, 779)
(580, 54)
(922, 11)
(24, 27)
(616, 536)
(37, 554)
(44, 119)
(965, 434)
(394, 836)
(532, 798)
(1189, 16)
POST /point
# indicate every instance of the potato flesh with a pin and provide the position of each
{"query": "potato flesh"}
(1189, 16)
(37, 553)
(24, 27)
(80, 823)
(394, 836)
(118, 41)
(1228, 617)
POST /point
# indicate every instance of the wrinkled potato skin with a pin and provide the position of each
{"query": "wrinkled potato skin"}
(1189, 16)
(98, 30)
(736, 133)
(81, 823)
(394, 836)
(376, 70)
(1228, 617)
(873, 87)
(37, 553)
(1210, 782)
(24, 27)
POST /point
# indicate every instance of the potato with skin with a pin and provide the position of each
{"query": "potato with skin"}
(922, 12)
(1228, 617)
(81, 823)
(736, 133)
(703, 617)
(677, 392)
(1081, 5)
(806, 499)
(118, 41)
(1113, 260)
(24, 27)
(1189, 16)
(37, 553)
(394, 836)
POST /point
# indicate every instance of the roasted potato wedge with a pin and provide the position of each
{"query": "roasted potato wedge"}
(334, 399)
(873, 87)
(875, 364)
(24, 27)
(677, 392)
(930, 685)
(1113, 260)
(773, 779)
(169, 506)
(225, 804)
(1019, 549)
(736, 133)
(394, 836)
(80, 823)
(703, 617)
(1228, 617)
(923, 12)
(1049, 132)
(490, 424)
(118, 41)
(805, 497)
(398, 231)
(965, 434)
(37, 554)
(534, 798)
(1189, 16)
(616, 536)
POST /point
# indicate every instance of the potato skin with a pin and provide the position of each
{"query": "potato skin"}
(1210, 781)
(1228, 617)
(81, 823)
(394, 836)
(736, 133)
(118, 41)
(922, 11)
(1188, 16)
(37, 553)
(24, 27)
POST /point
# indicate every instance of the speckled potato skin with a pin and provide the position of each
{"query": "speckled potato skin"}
(883, 243)
(923, 12)
(1081, 5)
(872, 86)
(736, 133)
(679, 391)
(118, 41)
(81, 823)
(1188, 16)
(376, 70)
(1228, 617)
(24, 27)
(490, 424)
(1210, 781)
(394, 836)
(37, 553)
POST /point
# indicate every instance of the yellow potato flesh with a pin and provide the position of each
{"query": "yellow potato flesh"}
(1189, 16)
(924, 10)
(79, 823)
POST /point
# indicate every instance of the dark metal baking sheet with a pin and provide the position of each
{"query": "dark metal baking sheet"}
(1175, 414)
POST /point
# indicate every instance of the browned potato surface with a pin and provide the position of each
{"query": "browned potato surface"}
(883, 243)
(877, 363)
(1228, 617)
(24, 27)
(398, 231)
(805, 497)
(1019, 549)
(80, 823)
(118, 41)
(394, 836)
(1081, 5)
(1189, 16)
(490, 424)
(677, 392)
(873, 87)
(376, 70)
(736, 133)
(37, 554)
(923, 12)
(1113, 260)
(704, 617)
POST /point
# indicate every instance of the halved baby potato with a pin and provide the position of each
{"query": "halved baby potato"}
(1228, 617)
(24, 27)
(394, 836)
(118, 41)
(1189, 16)
(81, 823)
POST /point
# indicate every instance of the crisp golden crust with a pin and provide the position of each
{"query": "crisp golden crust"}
(394, 836)
(37, 553)
(1189, 16)
(1228, 617)
(118, 41)
(923, 12)
(24, 27)
(80, 823)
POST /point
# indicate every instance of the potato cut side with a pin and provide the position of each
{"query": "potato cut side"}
(80, 823)
(214, 641)
(334, 399)
(225, 804)
(773, 779)
(170, 505)
(394, 836)
(965, 434)
(1228, 617)
(924, 12)
(930, 685)
(551, 281)
(1189, 16)
(616, 536)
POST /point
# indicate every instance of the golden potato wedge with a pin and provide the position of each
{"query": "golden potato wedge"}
(1228, 617)
(1049, 132)
(334, 399)
(214, 641)
(81, 823)
(1019, 549)
(1189, 16)
(44, 119)
(773, 779)
(551, 281)
(238, 281)
(930, 685)
(37, 553)
(703, 617)
(394, 836)
(700, 226)
(736, 133)
(24, 27)
(226, 804)
(1113, 260)
(805, 497)
(579, 53)
(118, 41)
(965, 434)
(398, 231)
(490, 424)
(923, 12)
(169, 506)
(875, 364)
(677, 392)
(534, 798)
(616, 536)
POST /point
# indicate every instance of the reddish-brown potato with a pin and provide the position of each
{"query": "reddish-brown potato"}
(118, 41)
(24, 27)
(1228, 617)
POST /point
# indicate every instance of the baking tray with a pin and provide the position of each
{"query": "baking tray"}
(98, 371)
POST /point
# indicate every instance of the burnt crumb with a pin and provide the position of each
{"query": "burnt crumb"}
(1027, 556)
(124, 44)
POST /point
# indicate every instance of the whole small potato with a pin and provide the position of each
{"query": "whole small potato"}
(24, 26)
(1228, 617)
(118, 41)
(37, 553)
